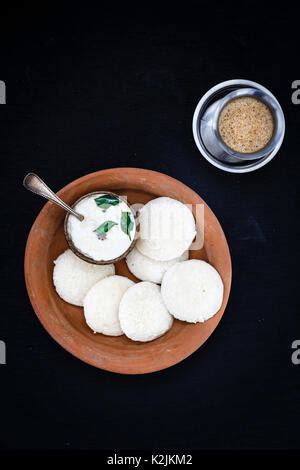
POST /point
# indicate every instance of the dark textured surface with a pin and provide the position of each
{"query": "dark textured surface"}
(88, 90)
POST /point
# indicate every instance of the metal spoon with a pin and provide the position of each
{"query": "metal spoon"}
(35, 184)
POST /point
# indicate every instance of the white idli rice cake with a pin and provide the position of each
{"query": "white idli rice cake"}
(192, 291)
(73, 277)
(148, 269)
(143, 315)
(101, 305)
(167, 229)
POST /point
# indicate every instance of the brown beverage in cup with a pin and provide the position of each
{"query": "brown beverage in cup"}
(246, 124)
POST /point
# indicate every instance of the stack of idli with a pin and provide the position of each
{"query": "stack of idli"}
(143, 314)
(148, 269)
(101, 305)
(96, 288)
(167, 229)
(73, 277)
(191, 290)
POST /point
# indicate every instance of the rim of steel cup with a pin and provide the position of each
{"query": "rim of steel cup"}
(231, 86)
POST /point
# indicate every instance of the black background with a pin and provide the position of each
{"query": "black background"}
(89, 89)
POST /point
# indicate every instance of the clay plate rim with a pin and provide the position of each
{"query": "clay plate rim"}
(194, 336)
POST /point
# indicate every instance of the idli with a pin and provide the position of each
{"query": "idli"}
(167, 229)
(143, 315)
(192, 291)
(101, 305)
(73, 277)
(148, 269)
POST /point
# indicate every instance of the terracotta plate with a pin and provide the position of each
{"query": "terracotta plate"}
(65, 323)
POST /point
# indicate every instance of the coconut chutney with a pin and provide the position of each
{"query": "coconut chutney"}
(108, 227)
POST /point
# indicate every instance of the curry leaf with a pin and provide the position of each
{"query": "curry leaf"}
(102, 230)
(107, 200)
(126, 223)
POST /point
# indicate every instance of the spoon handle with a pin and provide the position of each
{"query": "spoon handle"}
(35, 184)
